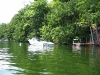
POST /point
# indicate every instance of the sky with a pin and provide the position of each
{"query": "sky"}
(10, 7)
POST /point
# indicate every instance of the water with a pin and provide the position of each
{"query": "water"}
(23, 59)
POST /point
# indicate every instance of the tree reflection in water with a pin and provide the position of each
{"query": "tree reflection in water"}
(91, 56)
(61, 60)
(94, 57)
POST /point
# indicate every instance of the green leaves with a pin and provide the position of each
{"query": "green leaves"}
(58, 21)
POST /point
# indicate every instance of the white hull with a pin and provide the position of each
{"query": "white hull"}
(35, 42)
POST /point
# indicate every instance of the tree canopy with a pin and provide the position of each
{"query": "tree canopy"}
(58, 21)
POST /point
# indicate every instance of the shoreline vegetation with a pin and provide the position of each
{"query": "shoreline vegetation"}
(59, 21)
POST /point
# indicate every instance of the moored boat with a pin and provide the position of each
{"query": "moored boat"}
(37, 42)
(76, 42)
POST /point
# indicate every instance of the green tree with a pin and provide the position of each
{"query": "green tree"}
(39, 10)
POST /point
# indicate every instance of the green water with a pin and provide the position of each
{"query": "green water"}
(19, 59)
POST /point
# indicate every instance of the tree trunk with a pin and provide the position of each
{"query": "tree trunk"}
(92, 36)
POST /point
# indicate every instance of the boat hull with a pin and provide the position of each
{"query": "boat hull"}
(40, 43)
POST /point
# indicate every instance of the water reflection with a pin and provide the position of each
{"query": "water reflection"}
(94, 57)
(76, 50)
(58, 60)
(34, 48)
(6, 67)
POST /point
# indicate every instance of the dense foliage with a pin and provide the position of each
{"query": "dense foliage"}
(58, 21)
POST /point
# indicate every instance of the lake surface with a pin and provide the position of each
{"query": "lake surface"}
(25, 59)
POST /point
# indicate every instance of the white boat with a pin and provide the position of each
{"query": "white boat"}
(76, 42)
(35, 42)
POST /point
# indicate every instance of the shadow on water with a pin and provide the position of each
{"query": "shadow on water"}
(24, 59)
